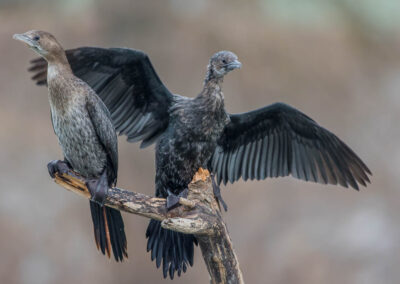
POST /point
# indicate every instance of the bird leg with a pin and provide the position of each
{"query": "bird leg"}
(217, 193)
(173, 200)
(98, 188)
(58, 166)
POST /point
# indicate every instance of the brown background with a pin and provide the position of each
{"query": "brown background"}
(338, 61)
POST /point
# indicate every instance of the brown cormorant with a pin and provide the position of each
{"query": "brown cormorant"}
(274, 141)
(87, 137)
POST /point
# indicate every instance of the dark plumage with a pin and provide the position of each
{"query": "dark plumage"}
(86, 135)
(273, 141)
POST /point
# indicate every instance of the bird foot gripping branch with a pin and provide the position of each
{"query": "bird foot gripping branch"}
(74, 182)
(189, 218)
(199, 215)
(202, 205)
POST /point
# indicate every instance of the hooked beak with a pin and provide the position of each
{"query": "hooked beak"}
(233, 65)
(26, 39)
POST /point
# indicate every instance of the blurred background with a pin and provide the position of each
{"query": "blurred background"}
(337, 61)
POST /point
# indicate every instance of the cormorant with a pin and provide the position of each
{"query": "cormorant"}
(87, 137)
(274, 141)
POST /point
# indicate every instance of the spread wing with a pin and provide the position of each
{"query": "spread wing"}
(128, 85)
(279, 140)
(105, 131)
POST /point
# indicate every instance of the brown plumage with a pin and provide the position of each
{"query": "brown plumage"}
(87, 137)
(273, 141)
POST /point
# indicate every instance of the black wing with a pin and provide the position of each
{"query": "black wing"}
(279, 140)
(105, 131)
(126, 82)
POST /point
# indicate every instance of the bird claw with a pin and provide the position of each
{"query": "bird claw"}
(57, 166)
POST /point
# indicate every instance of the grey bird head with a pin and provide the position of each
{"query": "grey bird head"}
(223, 62)
(43, 43)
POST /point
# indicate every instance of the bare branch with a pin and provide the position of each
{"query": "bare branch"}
(199, 214)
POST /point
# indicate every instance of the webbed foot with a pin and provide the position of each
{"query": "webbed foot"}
(173, 200)
(98, 188)
(57, 166)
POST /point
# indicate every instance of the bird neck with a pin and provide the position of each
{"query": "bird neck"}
(211, 94)
(59, 73)
(212, 87)
(58, 66)
(211, 78)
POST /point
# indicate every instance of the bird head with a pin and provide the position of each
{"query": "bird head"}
(43, 43)
(222, 62)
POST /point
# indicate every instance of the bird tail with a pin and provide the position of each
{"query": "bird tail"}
(173, 248)
(109, 231)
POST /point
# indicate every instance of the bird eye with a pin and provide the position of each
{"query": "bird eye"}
(36, 38)
(224, 61)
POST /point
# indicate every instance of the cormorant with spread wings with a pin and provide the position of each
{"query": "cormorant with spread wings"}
(274, 141)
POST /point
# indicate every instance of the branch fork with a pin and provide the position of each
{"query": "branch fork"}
(198, 214)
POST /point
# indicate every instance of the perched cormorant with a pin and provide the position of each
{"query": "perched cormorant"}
(87, 137)
(273, 141)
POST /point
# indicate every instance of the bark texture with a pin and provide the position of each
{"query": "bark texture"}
(199, 214)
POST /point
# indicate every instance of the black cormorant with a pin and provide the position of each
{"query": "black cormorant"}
(274, 141)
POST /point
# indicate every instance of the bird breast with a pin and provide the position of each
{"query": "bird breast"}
(78, 140)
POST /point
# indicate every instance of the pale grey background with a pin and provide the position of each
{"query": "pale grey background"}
(338, 61)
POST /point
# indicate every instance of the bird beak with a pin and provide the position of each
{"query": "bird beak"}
(26, 39)
(233, 65)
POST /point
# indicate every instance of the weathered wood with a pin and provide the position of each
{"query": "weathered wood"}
(198, 215)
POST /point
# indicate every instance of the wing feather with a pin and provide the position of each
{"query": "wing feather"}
(279, 140)
(128, 85)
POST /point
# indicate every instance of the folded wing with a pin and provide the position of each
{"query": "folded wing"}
(277, 141)
(128, 85)
(100, 118)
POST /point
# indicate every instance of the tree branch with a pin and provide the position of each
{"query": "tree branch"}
(199, 214)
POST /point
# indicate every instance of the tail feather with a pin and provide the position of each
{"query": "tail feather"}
(96, 225)
(117, 232)
(174, 250)
(109, 232)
